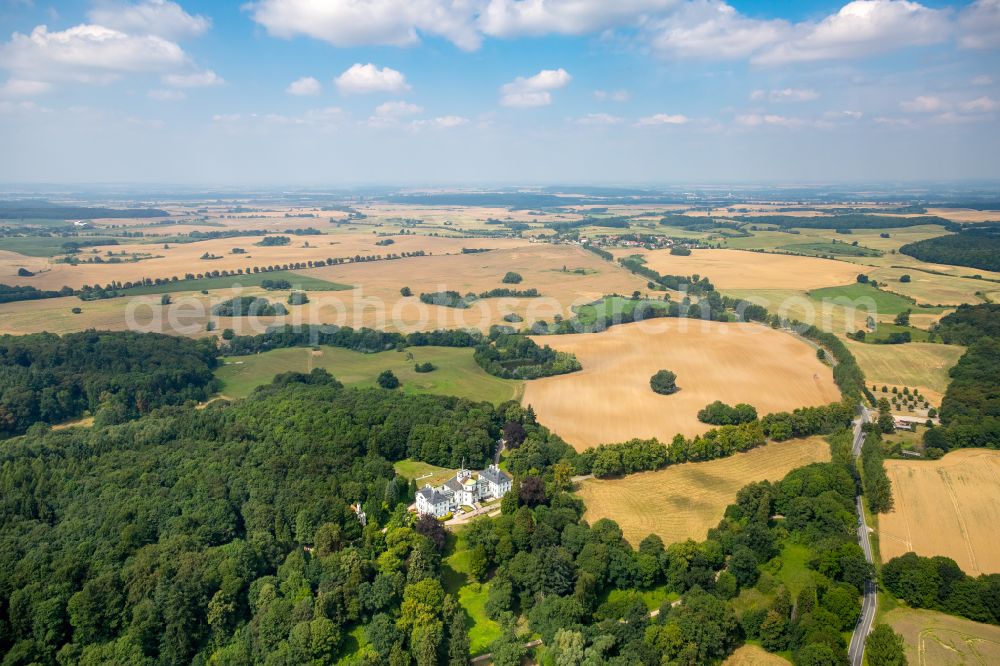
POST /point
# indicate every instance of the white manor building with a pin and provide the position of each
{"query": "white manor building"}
(465, 488)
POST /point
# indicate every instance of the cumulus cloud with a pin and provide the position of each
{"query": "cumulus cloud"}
(981, 105)
(598, 119)
(534, 90)
(612, 95)
(397, 109)
(23, 88)
(663, 119)
(152, 17)
(441, 122)
(785, 95)
(304, 86)
(161, 95)
(372, 22)
(361, 79)
(713, 30)
(89, 53)
(513, 18)
(203, 79)
(861, 28)
(924, 104)
(768, 119)
(979, 25)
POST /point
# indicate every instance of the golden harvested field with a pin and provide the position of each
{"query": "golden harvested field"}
(737, 269)
(183, 258)
(685, 501)
(946, 507)
(752, 655)
(934, 289)
(610, 399)
(965, 214)
(922, 365)
(937, 639)
(375, 301)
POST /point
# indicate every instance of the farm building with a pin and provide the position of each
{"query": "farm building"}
(465, 488)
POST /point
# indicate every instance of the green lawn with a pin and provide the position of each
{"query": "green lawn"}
(415, 469)
(883, 331)
(843, 249)
(471, 595)
(794, 572)
(49, 246)
(457, 373)
(301, 282)
(653, 597)
(865, 297)
(612, 306)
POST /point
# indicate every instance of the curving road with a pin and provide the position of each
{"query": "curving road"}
(856, 651)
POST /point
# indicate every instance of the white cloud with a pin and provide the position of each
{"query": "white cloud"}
(166, 95)
(612, 95)
(397, 109)
(152, 17)
(306, 85)
(785, 95)
(513, 18)
(203, 79)
(361, 79)
(534, 90)
(376, 22)
(89, 53)
(861, 28)
(979, 25)
(713, 30)
(924, 104)
(23, 88)
(981, 105)
(982, 80)
(843, 115)
(441, 122)
(598, 119)
(768, 119)
(663, 119)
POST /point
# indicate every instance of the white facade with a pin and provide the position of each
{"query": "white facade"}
(464, 489)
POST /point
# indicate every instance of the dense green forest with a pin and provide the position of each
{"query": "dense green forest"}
(970, 409)
(43, 210)
(938, 583)
(969, 323)
(116, 376)
(975, 245)
(514, 356)
(226, 535)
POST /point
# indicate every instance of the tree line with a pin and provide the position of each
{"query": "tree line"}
(970, 409)
(975, 245)
(45, 378)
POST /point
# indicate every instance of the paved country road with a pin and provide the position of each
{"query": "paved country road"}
(856, 651)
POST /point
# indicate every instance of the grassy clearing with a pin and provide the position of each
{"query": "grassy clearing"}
(921, 365)
(654, 597)
(754, 655)
(795, 573)
(685, 501)
(423, 472)
(844, 249)
(472, 596)
(457, 373)
(866, 297)
(616, 307)
(937, 639)
(297, 280)
(48, 246)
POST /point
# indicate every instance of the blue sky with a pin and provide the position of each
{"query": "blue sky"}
(343, 92)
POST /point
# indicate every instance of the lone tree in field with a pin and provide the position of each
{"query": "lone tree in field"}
(664, 382)
(388, 380)
(512, 278)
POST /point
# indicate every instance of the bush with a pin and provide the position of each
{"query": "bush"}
(424, 367)
(388, 380)
(406, 291)
(512, 278)
(664, 382)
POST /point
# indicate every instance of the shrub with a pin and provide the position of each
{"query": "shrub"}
(512, 278)
(388, 380)
(664, 382)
